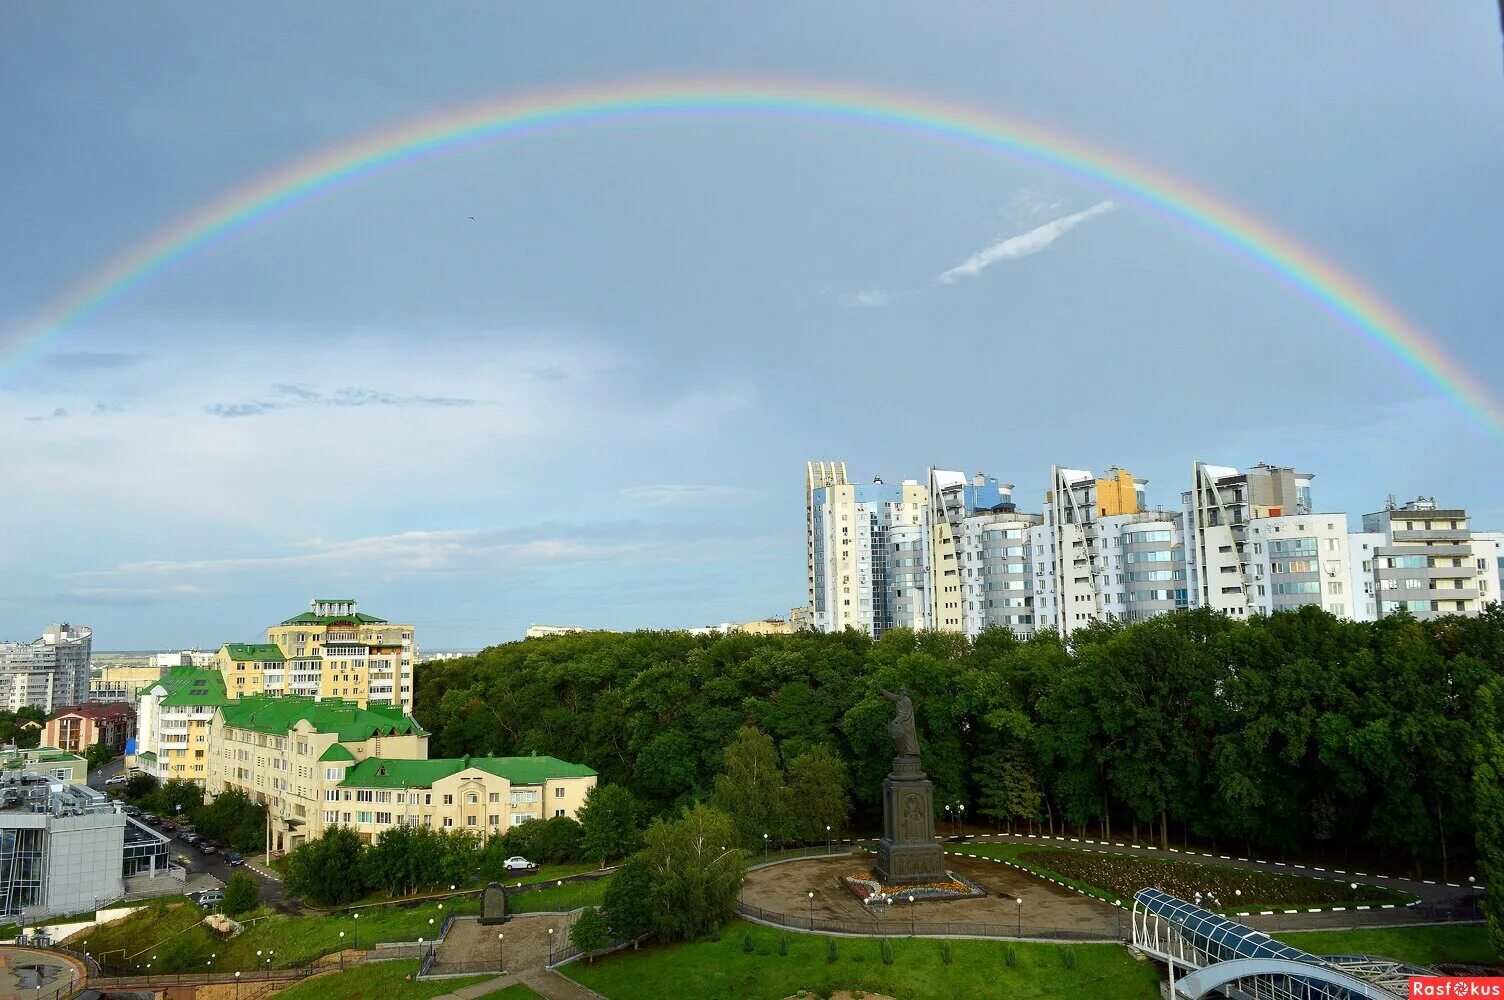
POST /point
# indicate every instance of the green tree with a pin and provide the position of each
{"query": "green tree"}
(99, 755)
(232, 818)
(552, 840)
(327, 871)
(589, 932)
(750, 790)
(628, 900)
(241, 894)
(1488, 799)
(179, 799)
(140, 786)
(697, 873)
(610, 823)
(816, 794)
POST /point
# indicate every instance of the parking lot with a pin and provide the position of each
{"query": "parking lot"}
(197, 861)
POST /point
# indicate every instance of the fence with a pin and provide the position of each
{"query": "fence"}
(205, 978)
(895, 925)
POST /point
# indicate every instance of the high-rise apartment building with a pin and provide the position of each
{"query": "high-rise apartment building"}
(1302, 559)
(953, 501)
(329, 651)
(1218, 509)
(122, 683)
(849, 547)
(47, 672)
(1429, 562)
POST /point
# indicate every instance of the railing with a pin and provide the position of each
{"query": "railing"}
(206, 978)
(895, 925)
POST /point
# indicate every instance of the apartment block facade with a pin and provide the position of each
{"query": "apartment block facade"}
(332, 647)
(48, 672)
(956, 554)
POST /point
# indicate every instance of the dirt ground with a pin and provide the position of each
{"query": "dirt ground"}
(785, 889)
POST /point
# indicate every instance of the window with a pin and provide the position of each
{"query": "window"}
(558, 812)
(559, 792)
(448, 820)
(494, 798)
(1334, 588)
(472, 798)
(449, 800)
(494, 819)
(362, 817)
(384, 818)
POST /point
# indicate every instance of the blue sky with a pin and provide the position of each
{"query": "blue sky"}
(593, 403)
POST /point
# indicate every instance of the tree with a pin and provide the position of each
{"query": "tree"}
(697, 873)
(1488, 798)
(628, 900)
(610, 823)
(99, 755)
(232, 818)
(241, 894)
(551, 840)
(327, 871)
(750, 790)
(816, 794)
(140, 786)
(179, 799)
(589, 932)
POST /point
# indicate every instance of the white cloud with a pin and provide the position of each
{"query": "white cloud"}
(1032, 242)
(688, 495)
(869, 298)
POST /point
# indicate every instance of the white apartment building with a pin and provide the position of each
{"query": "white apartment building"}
(1302, 559)
(1218, 509)
(48, 672)
(997, 584)
(1429, 562)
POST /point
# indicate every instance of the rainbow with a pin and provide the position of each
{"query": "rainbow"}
(1343, 296)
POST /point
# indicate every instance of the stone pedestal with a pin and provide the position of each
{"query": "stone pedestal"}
(908, 854)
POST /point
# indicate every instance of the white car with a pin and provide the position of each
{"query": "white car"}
(118, 779)
(518, 864)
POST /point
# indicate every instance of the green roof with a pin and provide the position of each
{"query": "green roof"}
(277, 714)
(192, 686)
(336, 752)
(334, 600)
(309, 618)
(146, 755)
(381, 772)
(266, 652)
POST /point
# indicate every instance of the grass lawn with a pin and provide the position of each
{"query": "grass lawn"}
(545, 873)
(173, 932)
(1118, 877)
(569, 896)
(722, 969)
(379, 979)
(1465, 944)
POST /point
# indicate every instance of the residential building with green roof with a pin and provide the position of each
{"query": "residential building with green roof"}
(331, 650)
(321, 762)
(172, 723)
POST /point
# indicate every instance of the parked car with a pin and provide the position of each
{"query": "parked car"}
(169, 825)
(118, 779)
(151, 818)
(189, 837)
(206, 847)
(210, 899)
(131, 811)
(232, 859)
(518, 864)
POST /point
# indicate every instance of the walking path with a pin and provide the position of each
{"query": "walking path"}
(544, 982)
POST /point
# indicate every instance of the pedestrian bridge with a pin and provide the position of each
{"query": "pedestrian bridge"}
(1209, 955)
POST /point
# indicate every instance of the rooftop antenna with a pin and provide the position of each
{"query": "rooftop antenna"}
(1390, 503)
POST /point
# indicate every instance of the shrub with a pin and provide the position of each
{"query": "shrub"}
(589, 932)
(241, 894)
(783, 944)
(1069, 958)
(945, 955)
(747, 944)
(887, 952)
(1010, 956)
(831, 952)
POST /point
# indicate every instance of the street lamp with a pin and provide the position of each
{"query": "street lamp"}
(960, 814)
(827, 838)
(1472, 882)
(812, 909)
(765, 847)
(1354, 887)
(355, 933)
(911, 914)
(501, 955)
(1020, 902)
(550, 947)
(342, 950)
(237, 984)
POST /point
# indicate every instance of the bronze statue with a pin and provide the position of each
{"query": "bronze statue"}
(902, 726)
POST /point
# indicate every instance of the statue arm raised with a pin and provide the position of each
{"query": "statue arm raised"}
(889, 695)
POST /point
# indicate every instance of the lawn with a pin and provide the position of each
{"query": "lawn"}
(174, 934)
(545, 873)
(569, 896)
(1445, 944)
(379, 979)
(1118, 877)
(722, 969)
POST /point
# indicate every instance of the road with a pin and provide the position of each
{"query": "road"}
(98, 775)
(197, 862)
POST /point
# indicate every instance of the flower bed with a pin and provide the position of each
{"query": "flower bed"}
(1118, 877)
(870, 889)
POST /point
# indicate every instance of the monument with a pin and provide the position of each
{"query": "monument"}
(908, 853)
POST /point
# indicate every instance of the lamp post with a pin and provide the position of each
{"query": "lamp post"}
(1020, 902)
(1354, 887)
(960, 814)
(1472, 882)
(812, 909)
(911, 914)
(827, 838)
(237, 984)
(949, 816)
(888, 905)
(355, 930)
(342, 950)
(501, 955)
(550, 947)
(765, 848)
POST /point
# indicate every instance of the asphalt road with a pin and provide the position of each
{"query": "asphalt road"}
(98, 775)
(197, 862)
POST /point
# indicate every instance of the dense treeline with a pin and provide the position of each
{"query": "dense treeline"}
(1288, 733)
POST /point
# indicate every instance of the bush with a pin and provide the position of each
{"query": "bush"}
(831, 951)
(783, 944)
(747, 945)
(589, 932)
(327, 871)
(241, 894)
(1010, 956)
(887, 952)
(945, 955)
(1069, 958)
(140, 786)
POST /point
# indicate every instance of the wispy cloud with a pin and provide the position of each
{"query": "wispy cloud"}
(688, 495)
(869, 298)
(60, 413)
(545, 373)
(457, 550)
(78, 360)
(1031, 242)
(290, 397)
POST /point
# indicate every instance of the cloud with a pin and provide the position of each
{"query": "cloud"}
(545, 373)
(1032, 242)
(869, 298)
(79, 360)
(60, 413)
(297, 396)
(132, 596)
(688, 495)
(462, 550)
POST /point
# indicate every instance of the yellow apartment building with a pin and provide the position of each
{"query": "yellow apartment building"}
(172, 723)
(332, 651)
